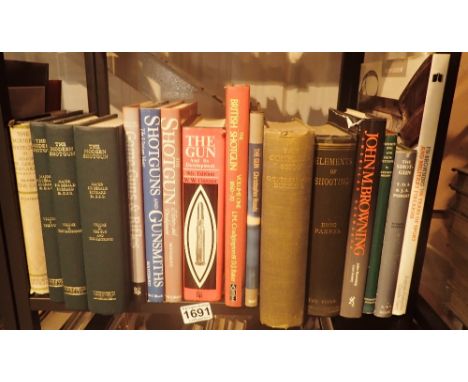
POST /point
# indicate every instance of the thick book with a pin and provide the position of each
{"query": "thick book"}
(102, 185)
(150, 129)
(62, 166)
(203, 149)
(254, 208)
(371, 135)
(379, 222)
(173, 119)
(131, 123)
(21, 145)
(400, 188)
(287, 181)
(334, 164)
(46, 206)
(425, 150)
(237, 152)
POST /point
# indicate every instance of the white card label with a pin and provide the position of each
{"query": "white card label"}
(196, 312)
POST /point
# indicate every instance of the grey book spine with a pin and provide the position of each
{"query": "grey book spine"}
(46, 208)
(400, 191)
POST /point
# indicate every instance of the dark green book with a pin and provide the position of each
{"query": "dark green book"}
(386, 171)
(100, 162)
(46, 208)
(67, 212)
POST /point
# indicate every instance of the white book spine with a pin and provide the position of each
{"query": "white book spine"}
(135, 197)
(425, 149)
(29, 207)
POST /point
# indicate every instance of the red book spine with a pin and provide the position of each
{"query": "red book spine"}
(203, 196)
(237, 149)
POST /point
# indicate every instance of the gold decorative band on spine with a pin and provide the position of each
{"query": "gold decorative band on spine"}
(55, 283)
(104, 295)
(74, 290)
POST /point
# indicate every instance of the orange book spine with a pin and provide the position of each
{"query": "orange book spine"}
(172, 121)
(203, 196)
(237, 149)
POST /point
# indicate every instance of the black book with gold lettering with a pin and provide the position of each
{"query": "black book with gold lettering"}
(67, 211)
(335, 152)
(100, 162)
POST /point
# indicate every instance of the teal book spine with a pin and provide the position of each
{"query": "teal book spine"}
(102, 185)
(67, 211)
(46, 208)
(379, 223)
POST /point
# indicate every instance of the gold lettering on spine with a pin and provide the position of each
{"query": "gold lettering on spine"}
(74, 290)
(97, 190)
(100, 232)
(61, 149)
(55, 283)
(94, 151)
(104, 295)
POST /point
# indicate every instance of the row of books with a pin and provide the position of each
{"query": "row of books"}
(194, 193)
(63, 205)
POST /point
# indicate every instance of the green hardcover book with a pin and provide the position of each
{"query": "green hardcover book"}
(287, 179)
(46, 208)
(101, 170)
(386, 171)
(67, 211)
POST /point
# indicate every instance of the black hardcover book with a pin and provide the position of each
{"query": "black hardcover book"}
(370, 133)
(100, 160)
(334, 164)
(67, 211)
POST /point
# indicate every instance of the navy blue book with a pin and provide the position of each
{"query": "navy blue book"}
(150, 125)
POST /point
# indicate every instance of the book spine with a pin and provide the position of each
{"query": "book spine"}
(361, 218)
(400, 189)
(425, 149)
(62, 167)
(287, 179)
(150, 126)
(203, 195)
(102, 188)
(46, 207)
(29, 207)
(135, 198)
(379, 223)
(171, 140)
(334, 166)
(237, 151)
(254, 205)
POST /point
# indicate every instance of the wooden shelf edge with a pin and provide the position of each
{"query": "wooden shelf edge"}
(44, 303)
